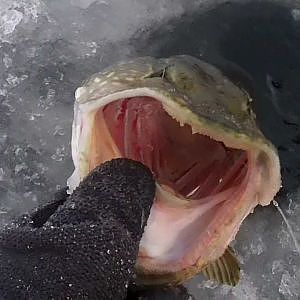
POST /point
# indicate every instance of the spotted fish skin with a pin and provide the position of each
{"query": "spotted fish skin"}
(194, 84)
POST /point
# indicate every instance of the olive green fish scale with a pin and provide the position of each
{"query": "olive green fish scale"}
(194, 85)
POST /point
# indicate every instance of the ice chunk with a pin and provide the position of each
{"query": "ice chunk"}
(7, 60)
(9, 20)
(83, 3)
(289, 286)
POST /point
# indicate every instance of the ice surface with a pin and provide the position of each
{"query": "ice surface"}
(9, 21)
(48, 48)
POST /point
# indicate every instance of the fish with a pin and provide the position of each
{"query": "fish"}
(195, 128)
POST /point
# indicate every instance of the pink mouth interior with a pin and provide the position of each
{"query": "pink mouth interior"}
(191, 166)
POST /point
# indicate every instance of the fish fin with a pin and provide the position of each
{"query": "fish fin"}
(224, 270)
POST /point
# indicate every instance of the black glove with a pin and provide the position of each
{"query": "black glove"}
(160, 293)
(82, 246)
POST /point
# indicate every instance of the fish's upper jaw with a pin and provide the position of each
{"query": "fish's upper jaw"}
(194, 84)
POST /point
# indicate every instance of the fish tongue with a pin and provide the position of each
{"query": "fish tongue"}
(171, 216)
(167, 195)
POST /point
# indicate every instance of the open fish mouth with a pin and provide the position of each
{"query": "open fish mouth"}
(195, 130)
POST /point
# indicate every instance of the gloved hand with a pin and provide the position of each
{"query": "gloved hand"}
(81, 246)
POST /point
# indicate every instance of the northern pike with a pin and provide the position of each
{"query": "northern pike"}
(195, 129)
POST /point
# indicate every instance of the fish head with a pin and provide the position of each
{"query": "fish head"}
(195, 129)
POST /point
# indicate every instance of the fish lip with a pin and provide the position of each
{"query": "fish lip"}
(199, 263)
(176, 109)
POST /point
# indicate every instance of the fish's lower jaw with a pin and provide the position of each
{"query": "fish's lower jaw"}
(210, 245)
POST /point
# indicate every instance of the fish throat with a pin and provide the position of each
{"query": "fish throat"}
(199, 179)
